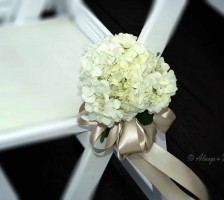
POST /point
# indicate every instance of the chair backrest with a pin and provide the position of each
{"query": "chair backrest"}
(86, 20)
(6, 9)
(20, 11)
(161, 23)
(217, 5)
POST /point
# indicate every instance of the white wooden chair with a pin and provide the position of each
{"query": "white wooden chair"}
(217, 5)
(39, 70)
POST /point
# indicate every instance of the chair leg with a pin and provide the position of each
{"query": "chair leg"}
(6, 189)
(86, 175)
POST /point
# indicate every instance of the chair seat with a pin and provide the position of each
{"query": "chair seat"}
(39, 73)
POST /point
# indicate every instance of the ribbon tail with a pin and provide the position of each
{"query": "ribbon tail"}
(158, 179)
(159, 166)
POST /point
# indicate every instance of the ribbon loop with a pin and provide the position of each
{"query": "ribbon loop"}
(128, 142)
(150, 132)
(135, 138)
(112, 136)
(164, 119)
(81, 117)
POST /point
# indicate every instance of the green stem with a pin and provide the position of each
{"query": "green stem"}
(104, 134)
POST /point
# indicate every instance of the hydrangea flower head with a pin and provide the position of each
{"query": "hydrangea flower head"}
(120, 78)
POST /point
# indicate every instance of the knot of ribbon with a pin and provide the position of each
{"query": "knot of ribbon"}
(132, 139)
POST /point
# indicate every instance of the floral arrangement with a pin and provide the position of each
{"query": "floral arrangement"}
(127, 89)
(121, 78)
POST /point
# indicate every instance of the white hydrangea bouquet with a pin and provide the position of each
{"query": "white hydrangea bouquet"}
(121, 79)
(126, 89)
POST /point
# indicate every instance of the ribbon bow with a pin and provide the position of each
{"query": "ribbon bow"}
(136, 141)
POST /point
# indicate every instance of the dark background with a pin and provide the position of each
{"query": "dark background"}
(195, 53)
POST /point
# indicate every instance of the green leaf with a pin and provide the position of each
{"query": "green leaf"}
(104, 134)
(145, 118)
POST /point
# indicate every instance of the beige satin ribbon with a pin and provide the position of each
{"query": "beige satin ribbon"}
(136, 141)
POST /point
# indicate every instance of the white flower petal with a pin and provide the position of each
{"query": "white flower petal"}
(106, 121)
